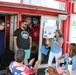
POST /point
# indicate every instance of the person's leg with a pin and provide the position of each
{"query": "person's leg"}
(56, 56)
(51, 56)
(27, 56)
(36, 66)
(1, 59)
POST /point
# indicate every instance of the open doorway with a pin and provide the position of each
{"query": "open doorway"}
(33, 22)
(2, 17)
(10, 25)
(11, 21)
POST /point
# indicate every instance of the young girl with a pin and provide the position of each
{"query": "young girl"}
(71, 54)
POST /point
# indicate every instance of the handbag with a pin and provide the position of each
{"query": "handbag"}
(44, 50)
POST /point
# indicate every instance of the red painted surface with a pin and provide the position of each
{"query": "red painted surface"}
(29, 5)
(66, 27)
(20, 11)
(68, 6)
(73, 8)
(66, 31)
(27, 11)
(19, 19)
(7, 30)
(62, 0)
(64, 36)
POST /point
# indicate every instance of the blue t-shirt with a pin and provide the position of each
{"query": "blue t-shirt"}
(66, 60)
(74, 63)
(55, 48)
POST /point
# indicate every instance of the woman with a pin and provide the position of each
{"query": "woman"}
(56, 47)
(18, 68)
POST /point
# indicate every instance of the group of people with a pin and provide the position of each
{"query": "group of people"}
(18, 67)
(23, 44)
(23, 40)
(22, 49)
(56, 51)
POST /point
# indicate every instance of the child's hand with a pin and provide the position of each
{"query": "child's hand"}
(57, 59)
(46, 46)
(55, 39)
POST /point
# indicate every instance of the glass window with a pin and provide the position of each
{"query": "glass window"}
(26, 1)
(74, 6)
(13, 1)
(72, 38)
(48, 3)
(48, 27)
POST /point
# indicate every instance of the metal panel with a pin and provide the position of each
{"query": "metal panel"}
(44, 65)
(13, 26)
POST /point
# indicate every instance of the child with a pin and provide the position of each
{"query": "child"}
(71, 54)
(63, 63)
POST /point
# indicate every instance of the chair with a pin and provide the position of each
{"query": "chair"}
(8, 71)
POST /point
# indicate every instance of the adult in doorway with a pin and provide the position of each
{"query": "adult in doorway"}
(23, 40)
(1, 41)
(56, 47)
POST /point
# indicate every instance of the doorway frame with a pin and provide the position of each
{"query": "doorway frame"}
(41, 33)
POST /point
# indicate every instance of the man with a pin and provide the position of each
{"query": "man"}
(1, 41)
(23, 40)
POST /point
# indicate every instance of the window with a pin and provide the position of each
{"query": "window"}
(74, 6)
(48, 3)
(13, 1)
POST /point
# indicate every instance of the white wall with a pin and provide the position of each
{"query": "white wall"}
(48, 3)
(14, 1)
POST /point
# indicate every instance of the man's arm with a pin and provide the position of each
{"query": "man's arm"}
(30, 38)
(15, 43)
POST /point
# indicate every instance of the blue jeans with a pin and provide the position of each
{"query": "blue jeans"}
(1, 58)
